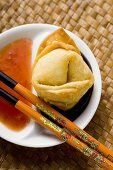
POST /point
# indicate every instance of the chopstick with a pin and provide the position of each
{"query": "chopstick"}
(60, 132)
(55, 115)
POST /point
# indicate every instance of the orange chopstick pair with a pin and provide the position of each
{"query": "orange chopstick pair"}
(61, 133)
(55, 115)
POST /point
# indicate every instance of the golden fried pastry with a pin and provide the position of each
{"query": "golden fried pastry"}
(60, 75)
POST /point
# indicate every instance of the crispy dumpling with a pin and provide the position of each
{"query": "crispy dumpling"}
(60, 75)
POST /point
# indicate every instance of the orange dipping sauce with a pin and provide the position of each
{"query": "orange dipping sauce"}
(15, 61)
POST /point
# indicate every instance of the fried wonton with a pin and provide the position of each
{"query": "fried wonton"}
(60, 75)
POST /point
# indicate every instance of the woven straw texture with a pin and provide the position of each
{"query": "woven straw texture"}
(92, 20)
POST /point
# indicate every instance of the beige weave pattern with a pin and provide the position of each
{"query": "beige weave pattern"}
(92, 20)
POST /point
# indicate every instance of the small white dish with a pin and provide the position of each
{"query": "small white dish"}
(34, 135)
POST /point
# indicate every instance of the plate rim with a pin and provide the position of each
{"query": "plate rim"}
(25, 26)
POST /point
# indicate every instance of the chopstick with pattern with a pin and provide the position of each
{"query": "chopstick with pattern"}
(60, 132)
(55, 115)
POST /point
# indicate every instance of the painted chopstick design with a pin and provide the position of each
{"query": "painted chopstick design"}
(55, 115)
(60, 132)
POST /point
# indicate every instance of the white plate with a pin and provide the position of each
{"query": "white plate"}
(34, 135)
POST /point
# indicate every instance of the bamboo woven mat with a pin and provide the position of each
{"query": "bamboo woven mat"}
(92, 20)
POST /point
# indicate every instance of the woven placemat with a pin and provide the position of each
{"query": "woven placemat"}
(92, 20)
